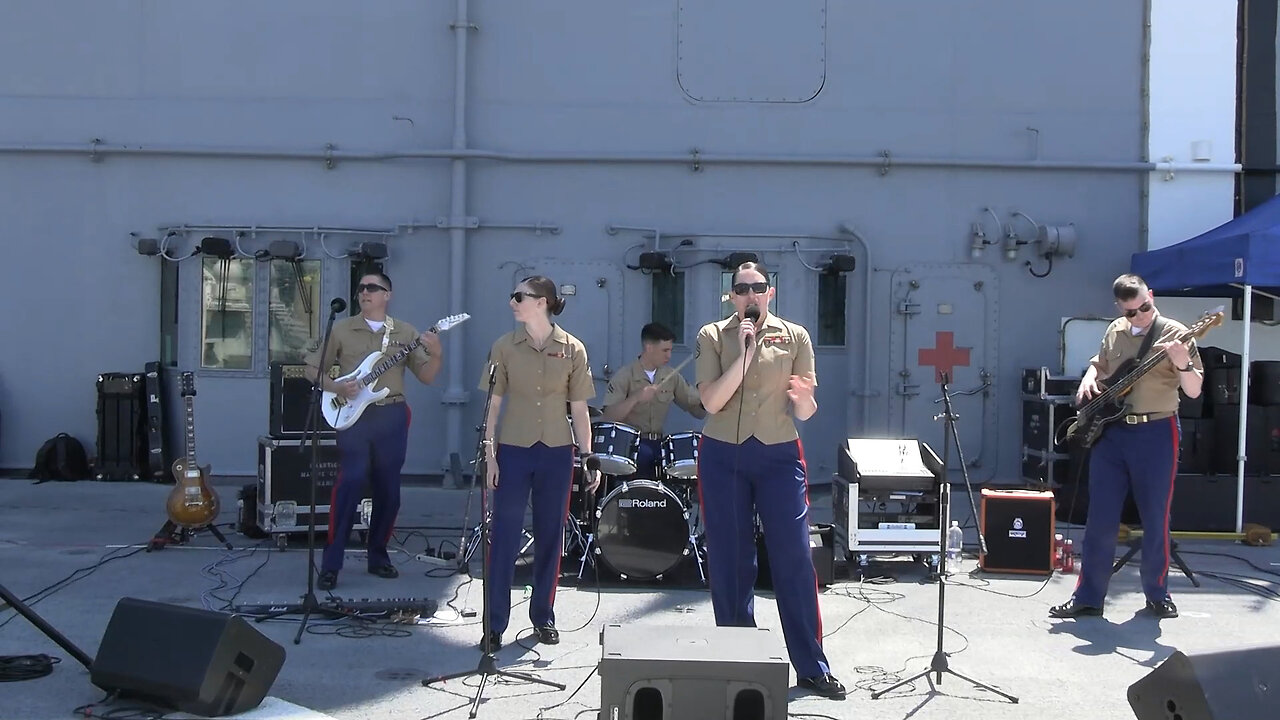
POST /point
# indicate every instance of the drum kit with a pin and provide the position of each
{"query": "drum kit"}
(640, 528)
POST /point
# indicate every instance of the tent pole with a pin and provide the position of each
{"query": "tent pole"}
(1244, 408)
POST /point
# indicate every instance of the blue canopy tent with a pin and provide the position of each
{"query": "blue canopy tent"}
(1239, 258)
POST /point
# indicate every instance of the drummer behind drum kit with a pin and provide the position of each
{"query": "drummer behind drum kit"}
(641, 528)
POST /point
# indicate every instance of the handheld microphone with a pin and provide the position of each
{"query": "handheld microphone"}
(337, 305)
(752, 313)
(592, 462)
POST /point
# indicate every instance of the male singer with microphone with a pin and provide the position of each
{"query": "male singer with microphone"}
(755, 373)
(373, 449)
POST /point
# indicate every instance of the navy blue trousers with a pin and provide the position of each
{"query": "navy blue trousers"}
(545, 473)
(735, 483)
(1142, 459)
(371, 451)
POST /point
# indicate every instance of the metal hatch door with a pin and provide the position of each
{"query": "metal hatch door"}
(946, 319)
(592, 313)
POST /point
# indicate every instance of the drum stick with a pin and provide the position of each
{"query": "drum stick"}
(676, 371)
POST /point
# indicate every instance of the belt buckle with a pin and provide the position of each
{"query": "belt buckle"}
(1132, 419)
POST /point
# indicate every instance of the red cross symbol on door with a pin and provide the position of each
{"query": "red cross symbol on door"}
(944, 356)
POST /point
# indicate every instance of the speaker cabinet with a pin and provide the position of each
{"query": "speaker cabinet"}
(1018, 525)
(1230, 684)
(197, 661)
(651, 672)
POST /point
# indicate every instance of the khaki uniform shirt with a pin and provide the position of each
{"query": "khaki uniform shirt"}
(352, 340)
(783, 349)
(649, 417)
(536, 385)
(1155, 392)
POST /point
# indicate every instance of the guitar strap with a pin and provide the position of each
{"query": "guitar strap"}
(1157, 327)
(390, 326)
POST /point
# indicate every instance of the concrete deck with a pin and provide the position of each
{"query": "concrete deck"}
(998, 630)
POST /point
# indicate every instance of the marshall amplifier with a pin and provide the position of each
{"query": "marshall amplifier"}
(290, 398)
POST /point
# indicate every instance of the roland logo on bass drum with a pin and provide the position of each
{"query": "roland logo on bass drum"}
(641, 503)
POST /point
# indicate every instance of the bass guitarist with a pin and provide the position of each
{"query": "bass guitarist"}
(373, 448)
(1138, 452)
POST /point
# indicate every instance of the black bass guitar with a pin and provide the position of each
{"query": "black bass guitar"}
(1109, 405)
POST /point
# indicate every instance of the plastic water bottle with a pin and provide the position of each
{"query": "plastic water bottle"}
(1058, 546)
(955, 543)
(1069, 557)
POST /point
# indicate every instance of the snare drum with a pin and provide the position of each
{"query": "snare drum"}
(642, 529)
(680, 455)
(617, 445)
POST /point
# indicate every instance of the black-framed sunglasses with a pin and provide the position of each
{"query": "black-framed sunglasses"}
(371, 287)
(759, 288)
(1133, 313)
(520, 295)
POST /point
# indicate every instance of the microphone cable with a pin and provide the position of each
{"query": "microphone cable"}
(737, 433)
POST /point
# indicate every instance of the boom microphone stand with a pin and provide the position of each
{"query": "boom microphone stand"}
(311, 433)
(488, 665)
(49, 631)
(939, 663)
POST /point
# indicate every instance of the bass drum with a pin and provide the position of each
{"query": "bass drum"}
(642, 530)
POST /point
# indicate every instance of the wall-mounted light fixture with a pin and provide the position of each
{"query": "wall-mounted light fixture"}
(217, 247)
(655, 261)
(840, 264)
(371, 250)
(734, 259)
(284, 250)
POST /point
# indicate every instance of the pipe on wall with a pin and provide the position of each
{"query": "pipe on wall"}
(455, 396)
(97, 150)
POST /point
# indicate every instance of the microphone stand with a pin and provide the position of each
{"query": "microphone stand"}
(939, 664)
(311, 433)
(488, 665)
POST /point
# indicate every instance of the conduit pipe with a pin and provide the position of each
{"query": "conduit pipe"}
(97, 151)
(455, 397)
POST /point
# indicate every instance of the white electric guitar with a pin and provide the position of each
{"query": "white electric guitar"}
(342, 412)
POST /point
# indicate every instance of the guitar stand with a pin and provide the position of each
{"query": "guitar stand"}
(171, 534)
(1135, 546)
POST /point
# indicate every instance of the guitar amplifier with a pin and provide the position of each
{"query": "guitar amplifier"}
(290, 398)
(284, 485)
(1018, 526)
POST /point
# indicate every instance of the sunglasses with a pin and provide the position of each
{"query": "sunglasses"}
(520, 295)
(1144, 307)
(370, 287)
(758, 288)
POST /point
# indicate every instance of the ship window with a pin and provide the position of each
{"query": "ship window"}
(293, 322)
(667, 306)
(832, 291)
(226, 312)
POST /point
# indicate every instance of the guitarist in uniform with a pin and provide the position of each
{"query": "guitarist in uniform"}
(374, 447)
(1138, 452)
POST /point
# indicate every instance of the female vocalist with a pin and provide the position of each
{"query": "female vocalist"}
(538, 368)
(755, 373)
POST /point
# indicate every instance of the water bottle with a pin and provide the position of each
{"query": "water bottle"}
(1058, 561)
(955, 542)
(1068, 557)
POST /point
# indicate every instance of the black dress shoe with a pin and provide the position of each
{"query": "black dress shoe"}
(328, 580)
(492, 643)
(1073, 609)
(385, 571)
(1164, 609)
(548, 635)
(824, 685)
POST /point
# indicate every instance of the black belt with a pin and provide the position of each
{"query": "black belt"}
(1139, 418)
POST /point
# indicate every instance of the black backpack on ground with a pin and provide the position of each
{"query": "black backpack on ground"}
(61, 457)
